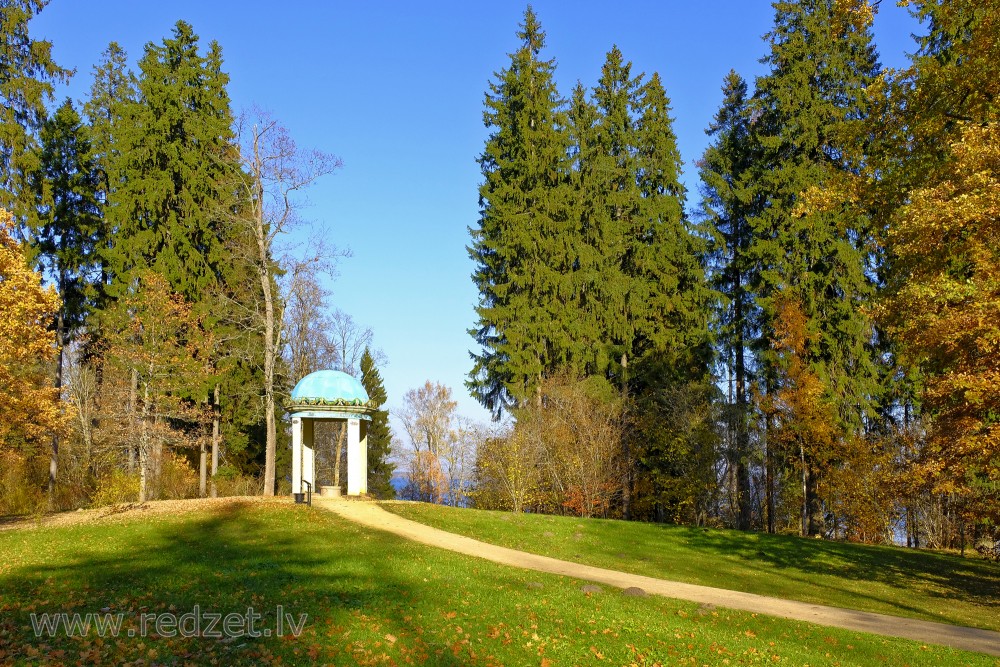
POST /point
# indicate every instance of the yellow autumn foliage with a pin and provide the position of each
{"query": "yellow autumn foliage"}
(30, 409)
(948, 311)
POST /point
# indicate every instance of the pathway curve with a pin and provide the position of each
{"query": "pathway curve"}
(928, 632)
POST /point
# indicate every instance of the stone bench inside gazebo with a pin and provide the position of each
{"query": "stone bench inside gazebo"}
(329, 396)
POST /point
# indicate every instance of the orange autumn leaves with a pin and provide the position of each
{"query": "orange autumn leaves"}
(30, 409)
(856, 477)
(933, 190)
(808, 418)
(948, 309)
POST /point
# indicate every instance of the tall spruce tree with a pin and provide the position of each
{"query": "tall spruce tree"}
(27, 74)
(665, 253)
(639, 272)
(522, 247)
(821, 62)
(729, 198)
(593, 355)
(64, 223)
(64, 220)
(175, 169)
(171, 173)
(609, 202)
(112, 91)
(639, 269)
(380, 468)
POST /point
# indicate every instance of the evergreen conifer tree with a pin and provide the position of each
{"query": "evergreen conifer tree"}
(522, 246)
(592, 354)
(176, 162)
(821, 62)
(170, 180)
(380, 469)
(609, 202)
(726, 172)
(64, 221)
(111, 93)
(640, 263)
(664, 253)
(27, 73)
(640, 273)
(113, 90)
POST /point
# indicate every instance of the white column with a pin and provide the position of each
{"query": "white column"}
(308, 458)
(357, 459)
(363, 455)
(308, 469)
(296, 455)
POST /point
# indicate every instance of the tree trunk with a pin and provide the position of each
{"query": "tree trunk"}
(812, 509)
(742, 430)
(203, 467)
(54, 459)
(271, 449)
(626, 448)
(340, 450)
(133, 397)
(215, 439)
(804, 524)
(769, 482)
(912, 530)
(270, 351)
(144, 453)
(143, 481)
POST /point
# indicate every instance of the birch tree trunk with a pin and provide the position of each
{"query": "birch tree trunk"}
(276, 171)
(215, 440)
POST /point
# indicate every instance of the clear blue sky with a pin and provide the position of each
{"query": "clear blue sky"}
(396, 89)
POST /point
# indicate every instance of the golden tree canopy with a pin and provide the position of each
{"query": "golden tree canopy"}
(30, 408)
(948, 312)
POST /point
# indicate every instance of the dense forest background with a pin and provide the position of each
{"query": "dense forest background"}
(155, 216)
(807, 344)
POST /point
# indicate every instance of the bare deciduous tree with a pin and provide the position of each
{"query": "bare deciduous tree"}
(350, 341)
(275, 173)
(443, 444)
(308, 327)
(459, 457)
(564, 454)
(508, 470)
(427, 416)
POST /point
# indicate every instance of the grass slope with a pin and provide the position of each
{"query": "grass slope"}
(372, 599)
(889, 580)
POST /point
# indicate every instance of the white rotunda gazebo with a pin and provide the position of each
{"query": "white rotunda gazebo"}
(330, 396)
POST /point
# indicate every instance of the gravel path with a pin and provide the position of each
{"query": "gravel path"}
(928, 632)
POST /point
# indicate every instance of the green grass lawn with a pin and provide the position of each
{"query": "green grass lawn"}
(888, 580)
(371, 599)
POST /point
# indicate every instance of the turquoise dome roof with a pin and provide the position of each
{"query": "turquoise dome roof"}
(330, 388)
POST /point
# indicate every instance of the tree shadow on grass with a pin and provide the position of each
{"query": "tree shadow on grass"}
(236, 557)
(820, 563)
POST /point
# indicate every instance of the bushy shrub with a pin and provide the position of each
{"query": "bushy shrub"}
(116, 488)
(17, 494)
(230, 482)
(177, 478)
